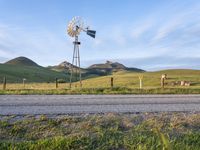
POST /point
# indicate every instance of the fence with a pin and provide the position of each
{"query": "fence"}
(138, 81)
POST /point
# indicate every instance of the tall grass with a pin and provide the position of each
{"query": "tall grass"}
(116, 90)
(109, 131)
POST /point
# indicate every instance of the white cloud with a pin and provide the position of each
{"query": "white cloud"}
(41, 45)
(141, 28)
(166, 29)
(178, 20)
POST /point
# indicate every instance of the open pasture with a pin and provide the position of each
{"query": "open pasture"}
(150, 80)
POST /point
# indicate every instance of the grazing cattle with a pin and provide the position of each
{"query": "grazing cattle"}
(164, 76)
(185, 83)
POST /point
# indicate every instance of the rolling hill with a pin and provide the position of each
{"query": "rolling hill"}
(95, 70)
(150, 79)
(21, 67)
(17, 69)
(62, 67)
(112, 67)
(97, 75)
(23, 61)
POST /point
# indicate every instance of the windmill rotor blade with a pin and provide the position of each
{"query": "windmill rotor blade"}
(72, 29)
(76, 26)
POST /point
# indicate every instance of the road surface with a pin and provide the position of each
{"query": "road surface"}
(70, 104)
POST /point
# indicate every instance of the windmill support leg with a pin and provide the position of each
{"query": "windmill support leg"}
(79, 67)
(75, 67)
(71, 67)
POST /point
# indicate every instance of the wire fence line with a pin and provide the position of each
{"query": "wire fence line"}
(102, 82)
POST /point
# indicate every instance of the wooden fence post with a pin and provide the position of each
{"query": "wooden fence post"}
(111, 82)
(140, 78)
(163, 77)
(4, 83)
(24, 82)
(56, 83)
(162, 83)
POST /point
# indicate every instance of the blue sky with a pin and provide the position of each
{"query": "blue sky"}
(151, 35)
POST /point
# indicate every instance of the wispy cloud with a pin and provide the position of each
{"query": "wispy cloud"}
(16, 42)
(168, 29)
(165, 30)
(163, 62)
(141, 28)
(178, 24)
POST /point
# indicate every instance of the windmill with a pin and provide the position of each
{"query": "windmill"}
(75, 27)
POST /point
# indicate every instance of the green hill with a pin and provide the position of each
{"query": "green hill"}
(15, 73)
(97, 75)
(19, 68)
(23, 61)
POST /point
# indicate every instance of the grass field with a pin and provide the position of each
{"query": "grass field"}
(160, 131)
(150, 79)
(124, 83)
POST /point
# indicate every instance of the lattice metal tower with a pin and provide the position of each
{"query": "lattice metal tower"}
(74, 28)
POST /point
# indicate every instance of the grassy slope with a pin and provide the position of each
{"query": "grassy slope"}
(15, 73)
(124, 83)
(108, 131)
(150, 79)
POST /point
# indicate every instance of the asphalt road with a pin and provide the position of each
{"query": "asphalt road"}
(70, 104)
